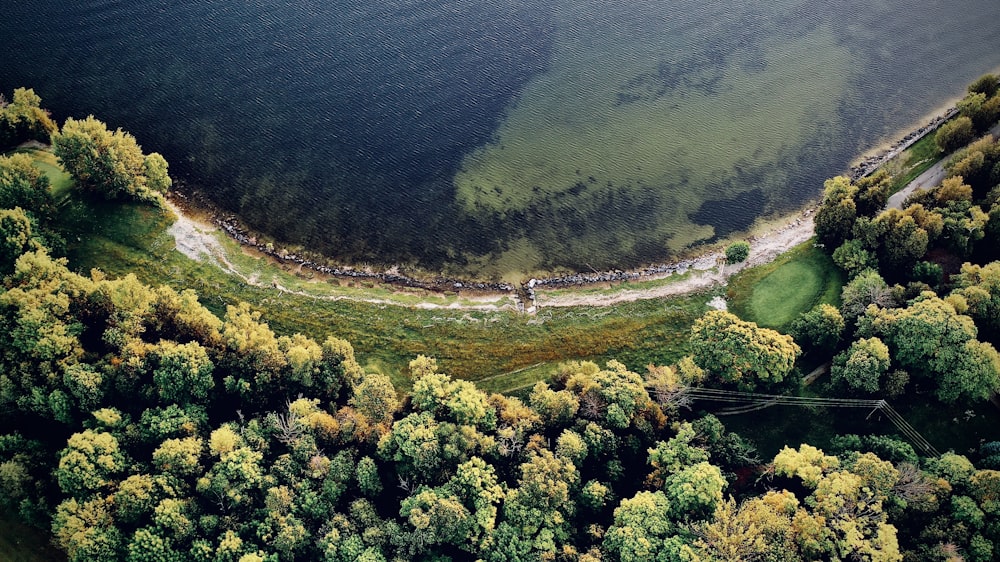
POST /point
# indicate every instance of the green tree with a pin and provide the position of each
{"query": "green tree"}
(867, 288)
(643, 531)
(236, 480)
(762, 528)
(737, 252)
(180, 457)
(182, 373)
(931, 339)
(979, 285)
(110, 164)
(836, 215)
(375, 398)
(903, 241)
(148, 545)
(973, 106)
(90, 462)
(873, 193)
(614, 395)
(23, 119)
(540, 508)
(862, 366)
(669, 457)
(695, 491)
(853, 258)
(23, 185)
(955, 134)
(987, 84)
(819, 329)
(739, 352)
(15, 237)
(86, 531)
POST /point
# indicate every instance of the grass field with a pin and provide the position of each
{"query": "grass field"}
(59, 181)
(914, 161)
(490, 345)
(774, 294)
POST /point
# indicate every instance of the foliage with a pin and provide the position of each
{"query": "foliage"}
(22, 119)
(955, 134)
(737, 252)
(109, 163)
(862, 366)
(929, 338)
(740, 353)
(160, 432)
(819, 330)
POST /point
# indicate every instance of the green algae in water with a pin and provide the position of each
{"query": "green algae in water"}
(665, 125)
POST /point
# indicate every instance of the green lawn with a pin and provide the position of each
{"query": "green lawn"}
(914, 161)
(59, 181)
(774, 294)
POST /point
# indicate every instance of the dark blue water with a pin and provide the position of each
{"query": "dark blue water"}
(341, 125)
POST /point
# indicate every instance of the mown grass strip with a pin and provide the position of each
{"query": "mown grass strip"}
(914, 161)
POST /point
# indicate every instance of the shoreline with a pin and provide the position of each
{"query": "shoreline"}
(526, 293)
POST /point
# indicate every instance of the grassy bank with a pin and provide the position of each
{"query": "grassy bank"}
(914, 161)
(490, 345)
(774, 294)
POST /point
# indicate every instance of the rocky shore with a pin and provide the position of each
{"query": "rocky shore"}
(868, 165)
(524, 294)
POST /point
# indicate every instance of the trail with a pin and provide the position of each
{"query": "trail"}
(705, 273)
(198, 241)
(931, 178)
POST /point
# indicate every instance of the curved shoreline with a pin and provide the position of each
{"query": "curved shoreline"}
(793, 230)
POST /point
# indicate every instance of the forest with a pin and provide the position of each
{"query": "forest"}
(137, 425)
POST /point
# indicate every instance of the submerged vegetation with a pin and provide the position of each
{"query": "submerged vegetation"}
(225, 422)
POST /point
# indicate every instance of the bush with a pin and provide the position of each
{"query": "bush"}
(955, 134)
(737, 252)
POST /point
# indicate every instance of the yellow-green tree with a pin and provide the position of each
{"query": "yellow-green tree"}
(741, 353)
(22, 119)
(109, 163)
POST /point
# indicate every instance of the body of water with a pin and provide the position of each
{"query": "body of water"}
(498, 138)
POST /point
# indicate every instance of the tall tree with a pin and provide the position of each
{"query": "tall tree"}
(108, 163)
(739, 352)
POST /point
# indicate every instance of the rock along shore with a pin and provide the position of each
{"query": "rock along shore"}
(525, 293)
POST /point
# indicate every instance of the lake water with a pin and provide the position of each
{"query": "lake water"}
(501, 137)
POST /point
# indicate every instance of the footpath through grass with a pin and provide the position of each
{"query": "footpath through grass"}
(494, 345)
(774, 294)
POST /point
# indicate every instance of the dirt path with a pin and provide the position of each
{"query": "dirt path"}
(704, 274)
(198, 240)
(931, 178)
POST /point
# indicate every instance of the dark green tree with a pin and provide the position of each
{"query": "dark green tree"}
(737, 252)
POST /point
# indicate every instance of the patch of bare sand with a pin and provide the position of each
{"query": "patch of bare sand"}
(196, 240)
